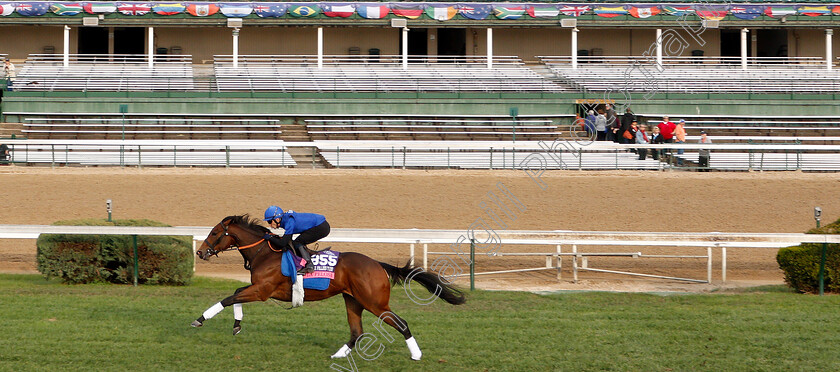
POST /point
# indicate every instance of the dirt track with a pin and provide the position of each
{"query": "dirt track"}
(619, 201)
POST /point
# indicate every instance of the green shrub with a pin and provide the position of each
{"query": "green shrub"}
(801, 264)
(110, 258)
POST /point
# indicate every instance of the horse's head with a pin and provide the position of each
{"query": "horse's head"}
(218, 241)
(233, 231)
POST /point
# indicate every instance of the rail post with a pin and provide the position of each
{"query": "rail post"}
(472, 264)
(559, 261)
(139, 157)
(404, 150)
(227, 156)
(709, 265)
(52, 153)
(338, 166)
(136, 267)
(723, 264)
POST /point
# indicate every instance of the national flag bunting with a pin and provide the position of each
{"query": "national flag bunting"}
(779, 11)
(202, 10)
(610, 11)
(135, 9)
(643, 11)
(304, 11)
(32, 9)
(538, 11)
(711, 12)
(441, 13)
(508, 12)
(270, 10)
(169, 9)
(66, 9)
(677, 11)
(410, 11)
(814, 11)
(372, 11)
(746, 11)
(475, 11)
(574, 10)
(236, 10)
(100, 8)
(339, 10)
(6, 9)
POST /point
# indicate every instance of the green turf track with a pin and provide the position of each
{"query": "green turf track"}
(48, 326)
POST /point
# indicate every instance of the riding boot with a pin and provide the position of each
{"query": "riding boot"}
(308, 268)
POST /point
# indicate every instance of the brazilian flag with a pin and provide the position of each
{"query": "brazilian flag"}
(304, 11)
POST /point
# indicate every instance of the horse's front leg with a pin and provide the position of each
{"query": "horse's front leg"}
(240, 296)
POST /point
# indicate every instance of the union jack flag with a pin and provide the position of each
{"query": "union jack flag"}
(574, 11)
(136, 9)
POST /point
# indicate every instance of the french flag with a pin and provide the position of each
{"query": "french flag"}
(373, 11)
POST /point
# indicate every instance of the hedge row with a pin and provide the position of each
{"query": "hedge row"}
(801, 264)
(110, 258)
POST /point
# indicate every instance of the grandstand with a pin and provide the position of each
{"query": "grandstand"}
(480, 85)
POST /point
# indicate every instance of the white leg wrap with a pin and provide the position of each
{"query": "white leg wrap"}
(341, 353)
(297, 292)
(213, 310)
(237, 311)
(412, 346)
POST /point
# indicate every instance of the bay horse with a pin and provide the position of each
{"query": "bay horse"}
(364, 282)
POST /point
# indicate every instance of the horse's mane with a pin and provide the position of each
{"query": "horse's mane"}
(245, 221)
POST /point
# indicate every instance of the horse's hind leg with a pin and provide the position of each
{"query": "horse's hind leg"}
(354, 320)
(385, 315)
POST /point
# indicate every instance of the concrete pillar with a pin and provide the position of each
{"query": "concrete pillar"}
(405, 48)
(320, 48)
(829, 54)
(744, 32)
(574, 48)
(489, 48)
(151, 46)
(236, 47)
(659, 47)
(66, 51)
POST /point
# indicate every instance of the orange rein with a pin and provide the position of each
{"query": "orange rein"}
(257, 243)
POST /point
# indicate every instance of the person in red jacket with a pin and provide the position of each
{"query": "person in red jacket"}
(666, 130)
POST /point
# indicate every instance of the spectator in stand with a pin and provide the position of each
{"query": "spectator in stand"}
(703, 163)
(612, 123)
(601, 125)
(656, 139)
(9, 73)
(666, 130)
(679, 136)
(589, 127)
(641, 138)
(4, 153)
(626, 121)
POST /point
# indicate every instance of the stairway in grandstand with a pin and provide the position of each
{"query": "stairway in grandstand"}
(9, 130)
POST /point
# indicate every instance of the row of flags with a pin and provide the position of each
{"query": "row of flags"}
(438, 11)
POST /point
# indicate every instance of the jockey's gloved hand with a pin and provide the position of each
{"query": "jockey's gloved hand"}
(268, 236)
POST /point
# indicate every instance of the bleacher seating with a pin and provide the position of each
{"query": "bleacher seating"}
(383, 74)
(105, 73)
(431, 129)
(680, 75)
(135, 127)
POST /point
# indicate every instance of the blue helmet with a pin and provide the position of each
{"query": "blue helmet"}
(273, 212)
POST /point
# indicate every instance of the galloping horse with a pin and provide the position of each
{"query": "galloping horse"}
(362, 281)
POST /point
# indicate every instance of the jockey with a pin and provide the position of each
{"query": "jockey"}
(311, 227)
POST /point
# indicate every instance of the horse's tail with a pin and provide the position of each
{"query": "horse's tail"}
(429, 280)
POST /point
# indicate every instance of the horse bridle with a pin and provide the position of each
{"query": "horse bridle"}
(211, 248)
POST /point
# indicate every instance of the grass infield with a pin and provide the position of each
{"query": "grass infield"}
(48, 326)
